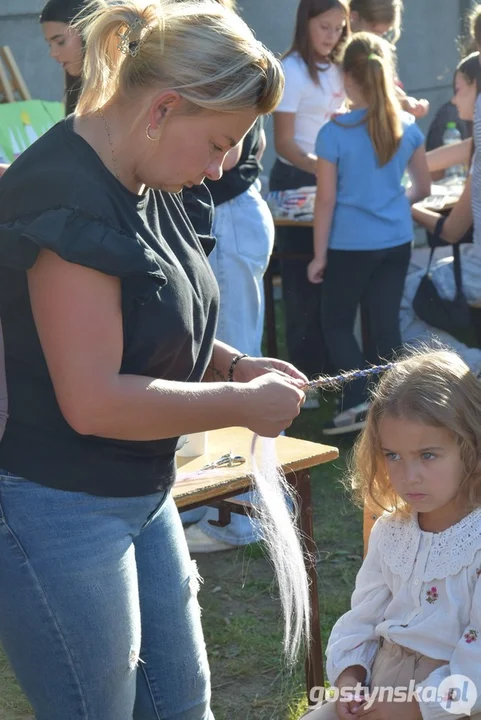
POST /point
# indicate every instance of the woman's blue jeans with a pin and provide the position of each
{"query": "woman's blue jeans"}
(98, 606)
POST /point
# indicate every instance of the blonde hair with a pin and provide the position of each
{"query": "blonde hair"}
(369, 61)
(201, 49)
(433, 387)
(388, 12)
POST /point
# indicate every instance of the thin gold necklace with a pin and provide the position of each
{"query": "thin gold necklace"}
(112, 149)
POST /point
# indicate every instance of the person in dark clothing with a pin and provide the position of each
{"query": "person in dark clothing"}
(65, 44)
(109, 311)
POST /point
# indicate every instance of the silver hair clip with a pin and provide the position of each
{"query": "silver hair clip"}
(128, 46)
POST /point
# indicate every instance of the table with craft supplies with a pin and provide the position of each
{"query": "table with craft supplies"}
(214, 488)
(444, 196)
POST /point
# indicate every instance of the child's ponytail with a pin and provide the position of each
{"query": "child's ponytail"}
(368, 60)
(383, 118)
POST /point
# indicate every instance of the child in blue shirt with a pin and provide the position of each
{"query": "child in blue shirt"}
(362, 224)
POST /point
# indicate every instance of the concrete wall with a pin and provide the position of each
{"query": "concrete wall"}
(427, 49)
(20, 29)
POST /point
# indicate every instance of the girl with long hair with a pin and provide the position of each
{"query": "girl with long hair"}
(313, 92)
(415, 617)
(65, 44)
(362, 225)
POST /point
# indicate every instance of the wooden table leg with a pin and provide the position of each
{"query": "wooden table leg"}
(301, 481)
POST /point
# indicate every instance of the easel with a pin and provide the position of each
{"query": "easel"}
(12, 84)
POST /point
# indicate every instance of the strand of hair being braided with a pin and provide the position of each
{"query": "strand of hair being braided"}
(326, 382)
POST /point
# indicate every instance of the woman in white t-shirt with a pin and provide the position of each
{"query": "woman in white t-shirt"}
(314, 91)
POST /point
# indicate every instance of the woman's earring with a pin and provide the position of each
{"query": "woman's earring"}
(147, 132)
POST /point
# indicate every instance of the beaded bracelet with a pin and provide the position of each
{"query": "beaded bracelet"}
(235, 360)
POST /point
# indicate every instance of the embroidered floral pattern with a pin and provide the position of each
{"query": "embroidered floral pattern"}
(471, 636)
(432, 595)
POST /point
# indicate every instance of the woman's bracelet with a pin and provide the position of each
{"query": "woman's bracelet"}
(235, 360)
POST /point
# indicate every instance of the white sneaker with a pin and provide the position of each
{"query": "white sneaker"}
(199, 542)
(347, 421)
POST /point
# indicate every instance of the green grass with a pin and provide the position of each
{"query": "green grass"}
(241, 618)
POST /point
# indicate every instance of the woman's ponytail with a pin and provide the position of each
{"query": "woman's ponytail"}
(112, 32)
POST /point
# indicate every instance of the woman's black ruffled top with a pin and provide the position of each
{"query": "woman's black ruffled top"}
(59, 196)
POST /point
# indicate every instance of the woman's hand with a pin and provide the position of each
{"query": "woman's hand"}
(249, 368)
(270, 403)
(315, 270)
(274, 393)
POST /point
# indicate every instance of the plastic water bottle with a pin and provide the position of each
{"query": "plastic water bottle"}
(452, 136)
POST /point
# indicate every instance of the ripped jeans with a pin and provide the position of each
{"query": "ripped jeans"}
(98, 606)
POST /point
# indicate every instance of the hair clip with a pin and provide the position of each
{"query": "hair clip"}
(128, 46)
(373, 56)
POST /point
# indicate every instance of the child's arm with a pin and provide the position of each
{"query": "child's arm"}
(465, 661)
(353, 642)
(457, 223)
(323, 212)
(418, 108)
(448, 155)
(420, 176)
(286, 146)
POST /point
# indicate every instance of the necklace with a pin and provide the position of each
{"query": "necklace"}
(112, 149)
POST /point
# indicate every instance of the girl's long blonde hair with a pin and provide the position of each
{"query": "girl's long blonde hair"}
(386, 12)
(434, 387)
(368, 60)
(200, 49)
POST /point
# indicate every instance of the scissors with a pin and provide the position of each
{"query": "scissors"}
(225, 461)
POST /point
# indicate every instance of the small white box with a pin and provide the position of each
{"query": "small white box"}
(195, 445)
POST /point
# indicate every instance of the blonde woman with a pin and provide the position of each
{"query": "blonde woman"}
(109, 311)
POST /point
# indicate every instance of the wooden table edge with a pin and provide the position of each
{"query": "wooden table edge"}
(243, 483)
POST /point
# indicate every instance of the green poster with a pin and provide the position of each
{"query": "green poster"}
(21, 123)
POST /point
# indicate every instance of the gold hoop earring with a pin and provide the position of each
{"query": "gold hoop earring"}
(147, 132)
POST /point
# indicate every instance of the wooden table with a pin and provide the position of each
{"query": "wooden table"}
(441, 199)
(296, 457)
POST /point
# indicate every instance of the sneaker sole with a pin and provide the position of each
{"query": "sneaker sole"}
(359, 425)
